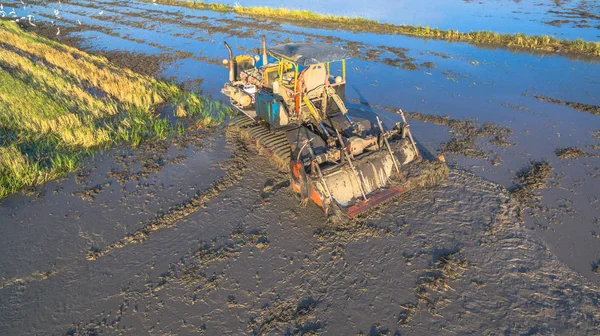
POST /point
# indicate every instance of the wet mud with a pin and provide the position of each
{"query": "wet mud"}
(234, 169)
(441, 260)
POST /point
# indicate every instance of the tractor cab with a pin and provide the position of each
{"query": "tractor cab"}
(291, 84)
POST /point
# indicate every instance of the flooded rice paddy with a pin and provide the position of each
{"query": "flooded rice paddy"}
(230, 250)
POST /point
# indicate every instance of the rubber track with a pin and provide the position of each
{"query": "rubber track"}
(273, 144)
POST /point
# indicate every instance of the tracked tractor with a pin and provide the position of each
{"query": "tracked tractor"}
(292, 102)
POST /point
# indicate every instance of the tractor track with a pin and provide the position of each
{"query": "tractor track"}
(274, 145)
(234, 171)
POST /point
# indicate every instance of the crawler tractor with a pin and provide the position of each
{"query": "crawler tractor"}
(292, 103)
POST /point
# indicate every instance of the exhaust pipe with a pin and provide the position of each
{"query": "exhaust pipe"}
(231, 65)
(264, 50)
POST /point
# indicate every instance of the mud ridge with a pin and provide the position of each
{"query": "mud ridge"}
(35, 276)
(297, 318)
(234, 169)
(573, 153)
(531, 178)
(433, 283)
(188, 273)
(91, 193)
(587, 108)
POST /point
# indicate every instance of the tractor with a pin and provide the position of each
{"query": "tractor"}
(292, 102)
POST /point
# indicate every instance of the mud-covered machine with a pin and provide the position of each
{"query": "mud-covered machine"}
(292, 100)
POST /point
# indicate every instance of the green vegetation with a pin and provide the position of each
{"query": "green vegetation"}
(311, 19)
(59, 104)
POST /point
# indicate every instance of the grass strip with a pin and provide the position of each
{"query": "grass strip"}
(310, 19)
(58, 105)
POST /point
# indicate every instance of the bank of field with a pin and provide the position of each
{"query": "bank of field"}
(307, 18)
(59, 104)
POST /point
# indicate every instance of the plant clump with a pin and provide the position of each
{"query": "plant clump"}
(571, 153)
(530, 179)
(435, 282)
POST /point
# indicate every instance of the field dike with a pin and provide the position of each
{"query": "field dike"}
(306, 18)
(234, 169)
(58, 105)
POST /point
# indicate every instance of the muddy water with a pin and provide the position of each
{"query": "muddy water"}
(254, 243)
(565, 19)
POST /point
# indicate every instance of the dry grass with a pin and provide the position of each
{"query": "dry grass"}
(311, 19)
(59, 104)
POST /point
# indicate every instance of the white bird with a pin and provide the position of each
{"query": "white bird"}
(101, 12)
(13, 13)
(58, 31)
(78, 22)
(31, 23)
(3, 13)
(22, 2)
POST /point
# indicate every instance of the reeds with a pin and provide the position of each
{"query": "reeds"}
(311, 19)
(59, 104)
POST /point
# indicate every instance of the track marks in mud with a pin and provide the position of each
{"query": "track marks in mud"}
(234, 170)
(189, 275)
(188, 272)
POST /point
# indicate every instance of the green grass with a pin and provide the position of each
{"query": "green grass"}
(58, 105)
(310, 19)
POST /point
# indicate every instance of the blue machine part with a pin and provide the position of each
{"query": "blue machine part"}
(267, 108)
(270, 59)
